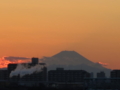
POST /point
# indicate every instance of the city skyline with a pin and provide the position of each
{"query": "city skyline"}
(37, 75)
(38, 28)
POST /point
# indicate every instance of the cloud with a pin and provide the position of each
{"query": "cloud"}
(12, 58)
(4, 61)
(103, 64)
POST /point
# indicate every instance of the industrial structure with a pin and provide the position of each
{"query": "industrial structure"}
(35, 76)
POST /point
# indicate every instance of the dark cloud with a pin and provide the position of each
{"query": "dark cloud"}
(13, 58)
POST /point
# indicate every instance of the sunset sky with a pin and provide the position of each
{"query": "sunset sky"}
(37, 28)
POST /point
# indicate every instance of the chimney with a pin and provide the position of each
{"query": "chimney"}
(35, 60)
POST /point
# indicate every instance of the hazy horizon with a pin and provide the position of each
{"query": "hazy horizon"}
(63, 58)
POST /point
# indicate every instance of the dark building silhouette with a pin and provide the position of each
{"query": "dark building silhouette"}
(61, 75)
(11, 67)
(4, 74)
(35, 60)
(101, 74)
(115, 76)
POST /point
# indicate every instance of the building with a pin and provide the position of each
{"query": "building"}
(91, 75)
(11, 67)
(34, 76)
(115, 76)
(4, 75)
(61, 75)
(101, 74)
(35, 61)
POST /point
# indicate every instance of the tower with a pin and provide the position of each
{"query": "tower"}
(35, 60)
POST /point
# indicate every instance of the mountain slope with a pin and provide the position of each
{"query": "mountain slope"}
(73, 60)
(71, 55)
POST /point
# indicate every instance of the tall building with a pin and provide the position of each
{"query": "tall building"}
(11, 67)
(35, 60)
(61, 75)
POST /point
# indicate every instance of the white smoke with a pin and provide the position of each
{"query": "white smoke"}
(23, 70)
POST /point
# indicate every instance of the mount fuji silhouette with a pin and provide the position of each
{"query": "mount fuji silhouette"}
(71, 60)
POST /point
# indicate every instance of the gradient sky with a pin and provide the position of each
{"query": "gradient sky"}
(45, 27)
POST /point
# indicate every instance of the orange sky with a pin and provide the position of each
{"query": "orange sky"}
(45, 27)
(4, 62)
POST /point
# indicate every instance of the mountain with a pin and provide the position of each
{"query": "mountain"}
(72, 60)
(73, 56)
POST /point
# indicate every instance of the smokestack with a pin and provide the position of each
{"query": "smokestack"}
(35, 61)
